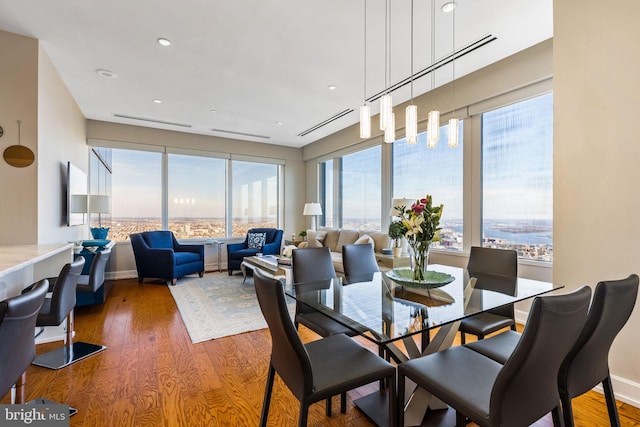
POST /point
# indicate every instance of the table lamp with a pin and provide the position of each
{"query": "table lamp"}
(99, 204)
(312, 209)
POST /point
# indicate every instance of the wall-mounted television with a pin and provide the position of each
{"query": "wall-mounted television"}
(76, 190)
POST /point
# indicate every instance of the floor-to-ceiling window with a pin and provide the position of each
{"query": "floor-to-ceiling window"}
(360, 187)
(517, 178)
(438, 171)
(254, 194)
(196, 196)
(136, 193)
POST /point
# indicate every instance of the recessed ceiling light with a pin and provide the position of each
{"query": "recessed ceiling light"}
(157, 101)
(164, 42)
(449, 6)
(332, 87)
(106, 74)
(279, 123)
(213, 111)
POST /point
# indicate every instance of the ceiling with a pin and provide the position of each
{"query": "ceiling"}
(265, 66)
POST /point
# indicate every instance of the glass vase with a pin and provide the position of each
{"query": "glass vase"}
(419, 258)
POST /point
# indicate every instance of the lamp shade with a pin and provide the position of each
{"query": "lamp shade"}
(78, 203)
(99, 204)
(312, 209)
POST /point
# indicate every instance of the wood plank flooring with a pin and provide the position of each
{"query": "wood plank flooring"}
(152, 375)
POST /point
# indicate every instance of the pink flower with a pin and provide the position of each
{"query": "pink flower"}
(417, 208)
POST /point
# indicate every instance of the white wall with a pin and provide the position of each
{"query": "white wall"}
(596, 153)
(18, 101)
(61, 138)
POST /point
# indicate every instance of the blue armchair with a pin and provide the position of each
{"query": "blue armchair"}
(159, 255)
(237, 251)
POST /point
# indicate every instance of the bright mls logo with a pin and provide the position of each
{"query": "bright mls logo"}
(34, 415)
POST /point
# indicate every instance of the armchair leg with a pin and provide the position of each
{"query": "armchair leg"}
(201, 274)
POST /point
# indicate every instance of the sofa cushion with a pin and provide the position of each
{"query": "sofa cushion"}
(313, 243)
(365, 239)
(347, 237)
(318, 235)
(331, 239)
(256, 240)
(380, 239)
(336, 258)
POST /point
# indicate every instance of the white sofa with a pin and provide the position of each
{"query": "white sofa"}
(335, 239)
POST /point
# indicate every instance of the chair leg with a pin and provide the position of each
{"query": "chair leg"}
(267, 396)
(610, 397)
(304, 414)
(230, 271)
(343, 402)
(201, 274)
(463, 338)
(400, 397)
(328, 407)
(461, 419)
(393, 404)
(18, 390)
(557, 416)
(567, 410)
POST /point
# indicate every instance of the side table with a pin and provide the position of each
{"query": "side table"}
(389, 262)
(218, 244)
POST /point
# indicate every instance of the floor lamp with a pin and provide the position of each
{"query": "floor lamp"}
(312, 209)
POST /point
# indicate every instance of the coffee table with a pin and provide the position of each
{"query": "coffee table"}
(270, 265)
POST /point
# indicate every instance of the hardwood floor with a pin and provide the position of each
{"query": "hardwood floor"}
(152, 375)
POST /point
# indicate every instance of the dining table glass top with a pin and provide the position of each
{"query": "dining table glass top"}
(385, 310)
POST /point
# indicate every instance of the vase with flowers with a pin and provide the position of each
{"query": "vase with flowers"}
(421, 221)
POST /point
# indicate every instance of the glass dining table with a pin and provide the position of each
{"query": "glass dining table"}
(399, 315)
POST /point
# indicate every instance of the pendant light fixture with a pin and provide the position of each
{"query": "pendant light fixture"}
(411, 113)
(433, 123)
(386, 103)
(453, 122)
(365, 110)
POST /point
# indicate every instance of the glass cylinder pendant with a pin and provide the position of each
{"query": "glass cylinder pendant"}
(453, 132)
(390, 131)
(386, 108)
(433, 128)
(365, 122)
(411, 124)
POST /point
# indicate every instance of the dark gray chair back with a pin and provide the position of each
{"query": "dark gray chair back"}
(288, 355)
(63, 295)
(312, 264)
(587, 364)
(359, 260)
(17, 325)
(96, 272)
(527, 384)
(503, 262)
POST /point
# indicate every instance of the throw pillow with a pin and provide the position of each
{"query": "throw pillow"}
(256, 240)
(313, 243)
(364, 239)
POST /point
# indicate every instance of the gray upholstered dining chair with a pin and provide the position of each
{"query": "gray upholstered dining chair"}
(514, 394)
(484, 263)
(313, 265)
(587, 364)
(359, 260)
(17, 342)
(317, 370)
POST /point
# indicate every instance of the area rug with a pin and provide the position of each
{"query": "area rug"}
(217, 305)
